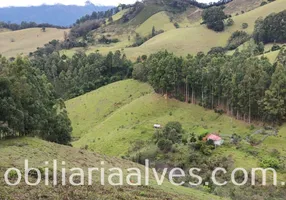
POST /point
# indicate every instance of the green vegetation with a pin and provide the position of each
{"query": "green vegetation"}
(28, 105)
(113, 126)
(160, 21)
(266, 30)
(214, 18)
(75, 76)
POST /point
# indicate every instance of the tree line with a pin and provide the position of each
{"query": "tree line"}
(241, 85)
(82, 73)
(25, 25)
(271, 29)
(28, 104)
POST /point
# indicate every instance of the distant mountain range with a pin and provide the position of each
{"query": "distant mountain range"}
(62, 15)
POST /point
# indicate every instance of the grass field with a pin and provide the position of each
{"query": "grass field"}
(111, 126)
(13, 152)
(20, 42)
(160, 21)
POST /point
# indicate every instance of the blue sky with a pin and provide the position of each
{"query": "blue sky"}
(5, 3)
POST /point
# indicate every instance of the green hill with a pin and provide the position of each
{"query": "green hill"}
(191, 37)
(22, 42)
(111, 129)
(13, 152)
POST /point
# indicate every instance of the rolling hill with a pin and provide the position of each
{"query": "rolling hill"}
(22, 42)
(191, 37)
(111, 126)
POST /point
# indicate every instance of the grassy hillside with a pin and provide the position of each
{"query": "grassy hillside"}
(116, 133)
(111, 129)
(160, 21)
(239, 6)
(13, 152)
(14, 43)
(197, 38)
(89, 110)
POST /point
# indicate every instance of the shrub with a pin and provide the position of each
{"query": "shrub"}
(275, 47)
(263, 3)
(237, 39)
(165, 145)
(244, 25)
(176, 25)
(173, 131)
(229, 22)
(269, 162)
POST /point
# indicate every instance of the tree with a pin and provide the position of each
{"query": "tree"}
(229, 22)
(275, 98)
(244, 25)
(153, 31)
(173, 132)
(140, 72)
(28, 105)
(214, 18)
(165, 145)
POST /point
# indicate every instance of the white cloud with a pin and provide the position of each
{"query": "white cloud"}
(5, 3)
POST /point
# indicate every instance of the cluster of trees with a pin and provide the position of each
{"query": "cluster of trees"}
(181, 5)
(28, 105)
(82, 29)
(241, 85)
(82, 73)
(132, 12)
(140, 40)
(25, 25)
(98, 15)
(214, 18)
(271, 29)
(171, 134)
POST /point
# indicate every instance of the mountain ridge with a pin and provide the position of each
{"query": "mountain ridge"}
(57, 14)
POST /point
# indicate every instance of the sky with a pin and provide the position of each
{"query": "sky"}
(6, 3)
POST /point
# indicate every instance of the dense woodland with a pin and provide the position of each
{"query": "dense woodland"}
(242, 85)
(28, 104)
(82, 73)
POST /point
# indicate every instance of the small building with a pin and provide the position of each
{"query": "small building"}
(157, 126)
(218, 141)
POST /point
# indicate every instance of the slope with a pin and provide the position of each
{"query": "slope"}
(197, 38)
(115, 133)
(25, 41)
(160, 21)
(92, 108)
(13, 152)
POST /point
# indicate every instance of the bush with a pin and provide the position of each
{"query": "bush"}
(244, 25)
(173, 131)
(237, 39)
(176, 25)
(216, 50)
(165, 145)
(270, 163)
(263, 3)
(275, 47)
(229, 22)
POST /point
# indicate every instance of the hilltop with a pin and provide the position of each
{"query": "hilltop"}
(22, 42)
